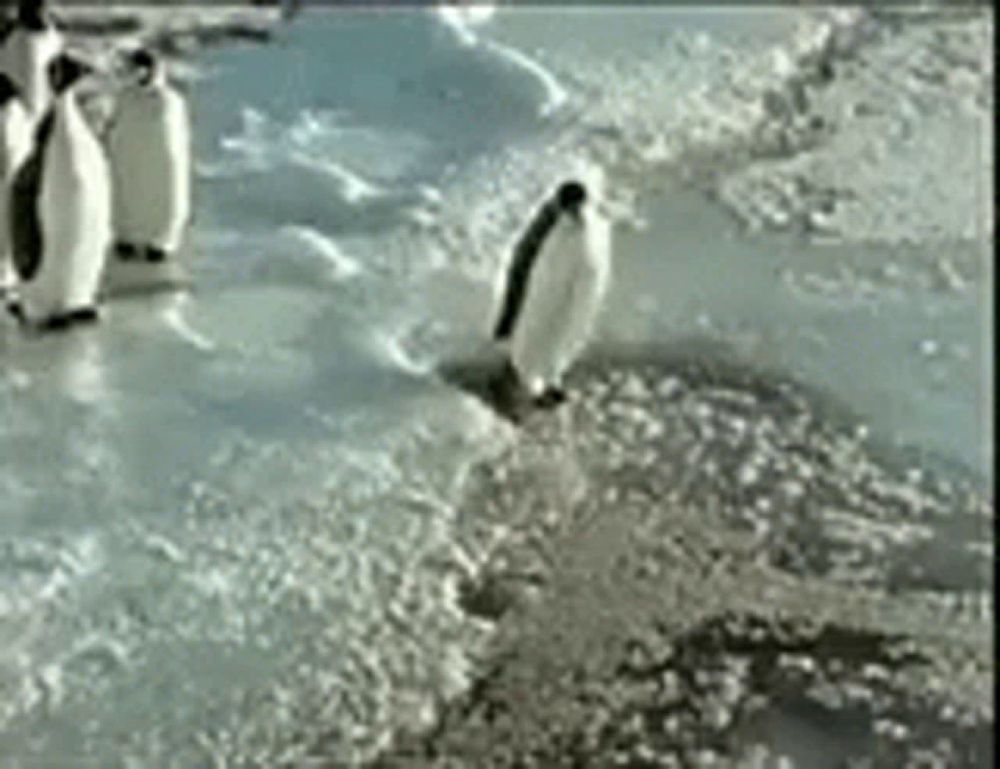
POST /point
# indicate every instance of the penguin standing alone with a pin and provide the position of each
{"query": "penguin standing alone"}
(15, 145)
(556, 282)
(60, 211)
(149, 149)
(29, 48)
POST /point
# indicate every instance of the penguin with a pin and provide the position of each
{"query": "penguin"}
(15, 145)
(60, 211)
(30, 46)
(555, 285)
(149, 150)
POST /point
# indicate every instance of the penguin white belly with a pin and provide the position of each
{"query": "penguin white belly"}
(561, 300)
(27, 56)
(149, 154)
(15, 146)
(591, 282)
(74, 210)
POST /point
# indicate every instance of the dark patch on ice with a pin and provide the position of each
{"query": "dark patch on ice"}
(791, 464)
(824, 697)
(490, 596)
(691, 426)
(735, 690)
(816, 695)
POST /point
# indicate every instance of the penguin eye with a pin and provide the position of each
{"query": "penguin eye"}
(142, 60)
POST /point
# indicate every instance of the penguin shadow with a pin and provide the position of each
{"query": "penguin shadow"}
(15, 316)
(122, 281)
(128, 276)
(74, 365)
(486, 374)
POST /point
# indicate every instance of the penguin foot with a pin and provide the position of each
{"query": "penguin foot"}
(155, 254)
(16, 310)
(552, 396)
(126, 251)
(64, 320)
(84, 315)
(59, 322)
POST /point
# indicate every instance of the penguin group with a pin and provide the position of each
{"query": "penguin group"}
(70, 197)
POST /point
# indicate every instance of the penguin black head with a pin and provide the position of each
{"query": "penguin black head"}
(8, 90)
(571, 197)
(65, 71)
(33, 15)
(145, 63)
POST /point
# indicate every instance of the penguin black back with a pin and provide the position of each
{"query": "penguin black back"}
(7, 26)
(8, 90)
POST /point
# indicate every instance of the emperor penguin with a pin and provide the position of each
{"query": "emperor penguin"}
(555, 285)
(60, 211)
(29, 48)
(149, 150)
(15, 144)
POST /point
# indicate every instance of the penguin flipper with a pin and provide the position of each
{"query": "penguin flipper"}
(525, 254)
(25, 222)
(6, 28)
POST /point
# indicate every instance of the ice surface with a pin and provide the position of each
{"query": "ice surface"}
(229, 512)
